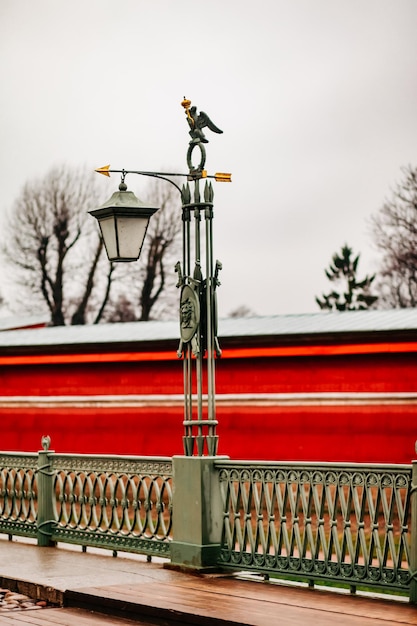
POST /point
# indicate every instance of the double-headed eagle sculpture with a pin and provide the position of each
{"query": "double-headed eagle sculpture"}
(197, 122)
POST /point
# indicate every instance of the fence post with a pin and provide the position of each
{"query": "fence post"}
(45, 518)
(413, 541)
(197, 513)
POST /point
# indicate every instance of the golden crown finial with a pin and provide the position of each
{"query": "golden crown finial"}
(186, 103)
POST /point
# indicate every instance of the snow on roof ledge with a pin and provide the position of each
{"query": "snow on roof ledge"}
(275, 325)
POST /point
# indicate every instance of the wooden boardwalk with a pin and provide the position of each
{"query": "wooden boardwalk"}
(215, 602)
(221, 601)
(99, 590)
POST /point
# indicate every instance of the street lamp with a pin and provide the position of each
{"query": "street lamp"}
(123, 222)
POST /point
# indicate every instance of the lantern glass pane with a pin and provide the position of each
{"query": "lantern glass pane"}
(131, 233)
(108, 230)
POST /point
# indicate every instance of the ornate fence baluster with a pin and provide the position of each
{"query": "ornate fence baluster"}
(18, 494)
(121, 503)
(326, 522)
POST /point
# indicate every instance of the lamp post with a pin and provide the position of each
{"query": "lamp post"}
(123, 222)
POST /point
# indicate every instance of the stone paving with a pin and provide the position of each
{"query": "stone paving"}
(11, 601)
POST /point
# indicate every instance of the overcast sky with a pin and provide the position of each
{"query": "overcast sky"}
(317, 100)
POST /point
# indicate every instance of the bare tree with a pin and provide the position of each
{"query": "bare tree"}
(120, 309)
(161, 248)
(148, 290)
(57, 257)
(53, 249)
(394, 230)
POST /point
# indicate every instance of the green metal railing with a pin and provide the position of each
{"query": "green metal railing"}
(354, 524)
(344, 523)
(123, 503)
(113, 502)
(18, 494)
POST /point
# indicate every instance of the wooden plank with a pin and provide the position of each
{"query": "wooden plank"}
(307, 598)
(205, 606)
(250, 603)
(193, 593)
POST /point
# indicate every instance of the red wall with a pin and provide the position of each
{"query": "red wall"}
(361, 434)
(309, 431)
(360, 373)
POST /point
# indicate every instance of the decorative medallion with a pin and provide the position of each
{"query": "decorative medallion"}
(189, 313)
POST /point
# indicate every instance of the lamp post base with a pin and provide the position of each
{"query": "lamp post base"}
(197, 516)
(188, 556)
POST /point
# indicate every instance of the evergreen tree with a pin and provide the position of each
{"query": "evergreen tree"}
(356, 294)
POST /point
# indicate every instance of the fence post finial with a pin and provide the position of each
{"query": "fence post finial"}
(45, 518)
